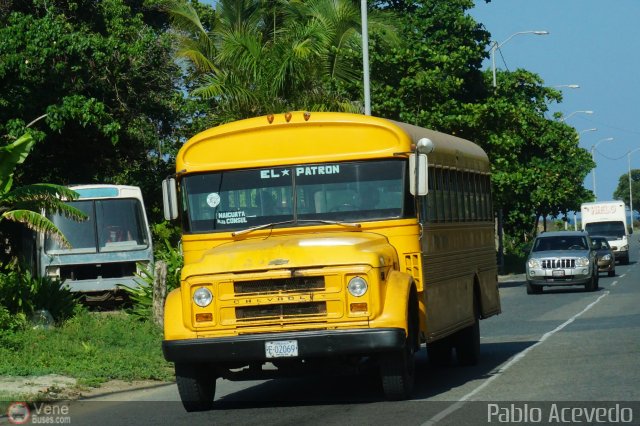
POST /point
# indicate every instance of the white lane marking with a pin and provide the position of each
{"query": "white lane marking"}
(455, 407)
(614, 283)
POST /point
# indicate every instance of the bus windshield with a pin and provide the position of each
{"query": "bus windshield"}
(349, 191)
(112, 225)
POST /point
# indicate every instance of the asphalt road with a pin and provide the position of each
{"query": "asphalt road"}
(565, 356)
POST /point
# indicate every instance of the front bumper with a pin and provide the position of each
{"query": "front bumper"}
(311, 344)
(606, 265)
(545, 277)
(622, 256)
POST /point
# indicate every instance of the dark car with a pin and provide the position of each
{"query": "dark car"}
(562, 258)
(604, 254)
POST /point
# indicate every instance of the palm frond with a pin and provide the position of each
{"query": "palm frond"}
(36, 222)
(183, 16)
(10, 156)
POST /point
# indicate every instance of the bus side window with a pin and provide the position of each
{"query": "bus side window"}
(431, 197)
(439, 195)
(446, 200)
(474, 195)
(460, 194)
(489, 204)
(453, 193)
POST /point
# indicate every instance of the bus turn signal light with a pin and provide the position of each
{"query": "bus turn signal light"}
(204, 317)
(358, 307)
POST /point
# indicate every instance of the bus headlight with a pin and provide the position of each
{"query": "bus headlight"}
(202, 297)
(53, 271)
(357, 286)
(582, 261)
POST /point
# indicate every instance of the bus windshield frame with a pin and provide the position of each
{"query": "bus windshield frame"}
(354, 191)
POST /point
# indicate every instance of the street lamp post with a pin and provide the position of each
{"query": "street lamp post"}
(593, 173)
(574, 113)
(575, 218)
(365, 57)
(593, 129)
(630, 181)
(567, 86)
(495, 46)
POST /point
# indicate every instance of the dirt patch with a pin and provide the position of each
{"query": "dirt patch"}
(57, 387)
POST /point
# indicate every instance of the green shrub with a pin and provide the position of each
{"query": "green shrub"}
(142, 296)
(22, 293)
(11, 322)
(93, 347)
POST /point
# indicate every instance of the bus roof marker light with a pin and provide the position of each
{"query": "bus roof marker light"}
(425, 146)
(287, 116)
(270, 118)
(307, 116)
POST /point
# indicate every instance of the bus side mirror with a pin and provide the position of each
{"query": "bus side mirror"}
(418, 175)
(170, 199)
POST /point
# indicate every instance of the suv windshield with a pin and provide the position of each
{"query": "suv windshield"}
(560, 243)
(239, 199)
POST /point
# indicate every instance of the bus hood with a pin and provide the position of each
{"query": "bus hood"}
(295, 251)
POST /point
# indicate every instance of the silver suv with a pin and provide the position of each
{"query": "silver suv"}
(562, 258)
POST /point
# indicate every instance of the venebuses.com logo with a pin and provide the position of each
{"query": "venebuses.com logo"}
(18, 413)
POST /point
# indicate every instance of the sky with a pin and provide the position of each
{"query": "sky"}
(592, 43)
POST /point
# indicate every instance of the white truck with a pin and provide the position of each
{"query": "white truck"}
(608, 219)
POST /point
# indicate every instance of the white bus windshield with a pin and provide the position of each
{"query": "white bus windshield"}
(112, 225)
(350, 191)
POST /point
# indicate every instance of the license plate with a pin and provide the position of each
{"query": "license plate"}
(281, 348)
(559, 273)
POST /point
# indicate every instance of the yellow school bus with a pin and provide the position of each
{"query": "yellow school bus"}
(317, 241)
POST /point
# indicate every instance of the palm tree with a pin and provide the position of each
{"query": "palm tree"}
(260, 56)
(24, 204)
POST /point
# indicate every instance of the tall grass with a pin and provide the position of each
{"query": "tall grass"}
(92, 347)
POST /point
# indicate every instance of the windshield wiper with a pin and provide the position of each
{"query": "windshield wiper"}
(331, 222)
(269, 225)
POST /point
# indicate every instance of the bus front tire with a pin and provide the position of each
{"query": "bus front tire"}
(196, 386)
(398, 368)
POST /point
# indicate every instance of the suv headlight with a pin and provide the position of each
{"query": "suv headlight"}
(624, 248)
(582, 261)
(534, 263)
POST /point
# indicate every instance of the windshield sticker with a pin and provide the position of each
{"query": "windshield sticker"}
(213, 200)
(333, 169)
(274, 173)
(227, 218)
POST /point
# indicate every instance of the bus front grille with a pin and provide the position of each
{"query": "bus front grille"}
(99, 270)
(281, 311)
(281, 285)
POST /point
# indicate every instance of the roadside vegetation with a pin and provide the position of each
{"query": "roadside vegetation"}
(93, 347)
(45, 329)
